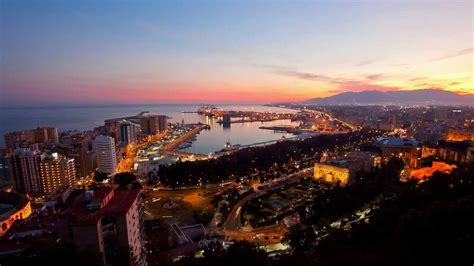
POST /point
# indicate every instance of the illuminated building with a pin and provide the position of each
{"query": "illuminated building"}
(459, 135)
(13, 206)
(426, 172)
(107, 221)
(104, 148)
(56, 171)
(343, 168)
(34, 138)
(330, 173)
(458, 152)
(404, 148)
(149, 124)
(78, 145)
(428, 151)
(41, 174)
(82, 157)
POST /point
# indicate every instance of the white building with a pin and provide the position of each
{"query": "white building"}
(104, 148)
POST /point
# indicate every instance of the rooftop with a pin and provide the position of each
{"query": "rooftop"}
(103, 202)
(398, 142)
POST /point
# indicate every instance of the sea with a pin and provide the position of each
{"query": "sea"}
(88, 117)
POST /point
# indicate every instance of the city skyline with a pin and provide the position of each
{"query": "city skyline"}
(183, 52)
(236, 132)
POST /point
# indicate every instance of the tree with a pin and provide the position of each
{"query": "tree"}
(300, 237)
(48, 252)
(126, 180)
(245, 253)
(99, 177)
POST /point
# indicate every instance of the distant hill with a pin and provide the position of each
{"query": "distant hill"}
(414, 97)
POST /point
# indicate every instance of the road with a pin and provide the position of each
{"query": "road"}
(352, 127)
(232, 223)
(126, 164)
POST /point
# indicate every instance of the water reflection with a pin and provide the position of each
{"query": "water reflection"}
(236, 133)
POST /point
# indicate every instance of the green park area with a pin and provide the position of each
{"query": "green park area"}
(276, 204)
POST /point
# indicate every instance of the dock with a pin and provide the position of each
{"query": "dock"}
(170, 148)
(286, 129)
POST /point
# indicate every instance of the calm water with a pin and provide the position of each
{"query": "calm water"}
(85, 118)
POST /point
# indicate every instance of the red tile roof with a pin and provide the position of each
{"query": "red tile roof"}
(120, 203)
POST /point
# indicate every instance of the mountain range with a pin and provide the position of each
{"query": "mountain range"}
(413, 97)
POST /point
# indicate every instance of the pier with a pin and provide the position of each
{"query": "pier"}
(170, 148)
(250, 120)
(226, 116)
(285, 129)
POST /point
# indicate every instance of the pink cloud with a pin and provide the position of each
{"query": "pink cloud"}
(303, 75)
(344, 85)
(455, 54)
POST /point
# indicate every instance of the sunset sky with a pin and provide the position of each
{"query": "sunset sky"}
(76, 52)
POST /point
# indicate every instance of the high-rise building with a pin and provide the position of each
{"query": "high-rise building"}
(104, 148)
(129, 132)
(34, 138)
(47, 135)
(78, 145)
(107, 221)
(25, 170)
(162, 123)
(153, 124)
(112, 127)
(41, 174)
(56, 171)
